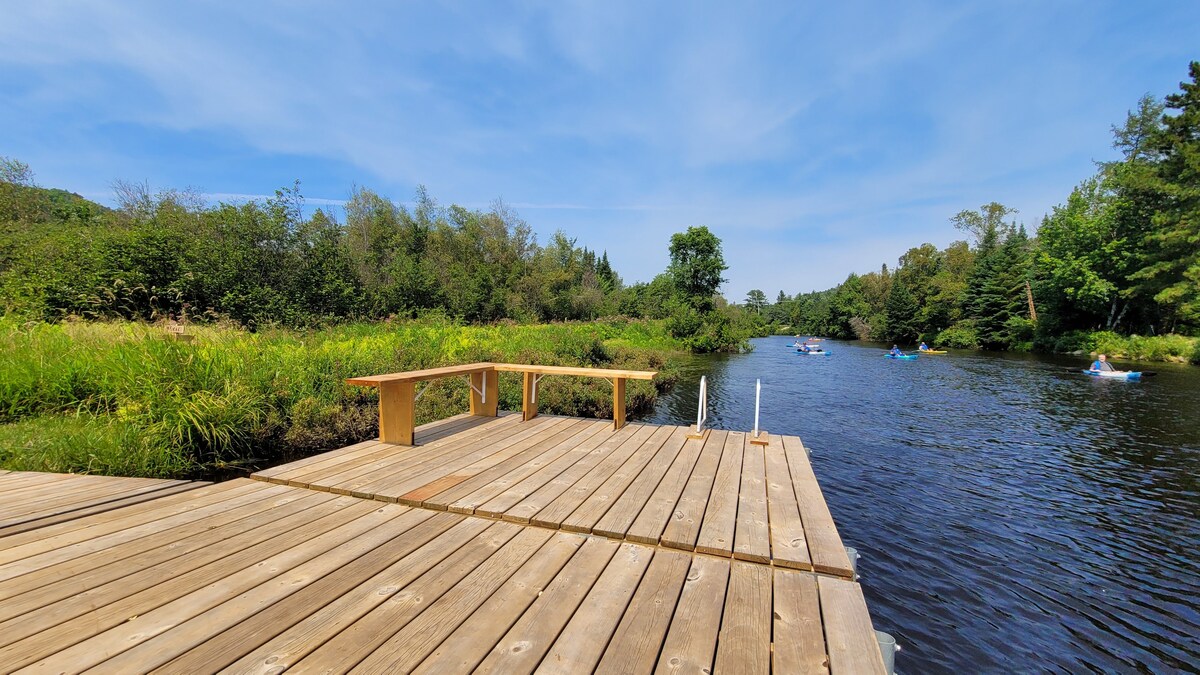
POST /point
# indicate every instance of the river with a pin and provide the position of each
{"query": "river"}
(1013, 514)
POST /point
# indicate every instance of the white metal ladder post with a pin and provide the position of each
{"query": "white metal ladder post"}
(759, 437)
(701, 410)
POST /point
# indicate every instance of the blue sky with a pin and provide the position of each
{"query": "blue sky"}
(814, 140)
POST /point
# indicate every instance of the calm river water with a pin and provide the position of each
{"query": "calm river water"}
(1013, 514)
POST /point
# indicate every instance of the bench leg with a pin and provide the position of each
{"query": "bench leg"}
(396, 420)
(485, 405)
(528, 402)
(618, 403)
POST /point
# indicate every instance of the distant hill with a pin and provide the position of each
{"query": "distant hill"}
(22, 202)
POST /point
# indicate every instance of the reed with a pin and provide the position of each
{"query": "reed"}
(125, 398)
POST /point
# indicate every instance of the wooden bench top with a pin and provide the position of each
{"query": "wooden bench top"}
(420, 375)
(582, 372)
(471, 368)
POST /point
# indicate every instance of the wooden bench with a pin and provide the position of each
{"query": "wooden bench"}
(397, 392)
(535, 373)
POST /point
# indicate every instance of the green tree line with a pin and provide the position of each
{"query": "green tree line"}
(170, 255)
(1121, 255)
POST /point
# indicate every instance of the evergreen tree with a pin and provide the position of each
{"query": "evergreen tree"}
(1172, 269)
(756, 300)
(901, 313)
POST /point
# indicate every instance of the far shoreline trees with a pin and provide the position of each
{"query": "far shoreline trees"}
(1121, 255)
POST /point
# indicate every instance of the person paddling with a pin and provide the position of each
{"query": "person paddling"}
(923, 347)
(896, 351)
(1102, 363)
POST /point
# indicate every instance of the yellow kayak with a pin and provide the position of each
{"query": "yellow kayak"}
(931, 351)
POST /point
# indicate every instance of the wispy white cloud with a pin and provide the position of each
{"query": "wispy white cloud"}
(814, 139)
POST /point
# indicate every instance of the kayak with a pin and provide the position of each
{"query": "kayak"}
(906, 357)
(817, 352)
(1115, 374)
(931, 351)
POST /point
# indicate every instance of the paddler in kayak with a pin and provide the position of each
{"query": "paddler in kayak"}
(1101, 363)
(923, 347)
(896, 351)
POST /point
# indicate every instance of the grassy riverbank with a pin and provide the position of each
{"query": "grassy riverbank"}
(1166, 348)
(122, 398)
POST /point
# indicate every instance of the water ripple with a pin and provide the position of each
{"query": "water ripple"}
(1013, 515)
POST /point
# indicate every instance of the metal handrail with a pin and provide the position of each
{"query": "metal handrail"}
(702, 406)
(757, 398)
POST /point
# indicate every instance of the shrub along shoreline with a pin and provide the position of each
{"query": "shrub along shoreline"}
(124, 398)
(1166, 348)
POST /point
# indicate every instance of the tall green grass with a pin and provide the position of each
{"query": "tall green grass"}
(125, 399)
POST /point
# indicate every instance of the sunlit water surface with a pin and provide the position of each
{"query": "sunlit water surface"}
(1014, 515)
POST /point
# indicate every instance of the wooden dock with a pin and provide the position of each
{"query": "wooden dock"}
(29, 500)
(554, 545)
(720, 495)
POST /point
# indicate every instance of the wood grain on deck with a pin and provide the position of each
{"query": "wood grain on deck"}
(719, 495)
(491, 563)
(31, 500)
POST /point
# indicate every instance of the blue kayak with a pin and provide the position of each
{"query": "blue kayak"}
(1114, 374)
(815, 353)
(906, 357)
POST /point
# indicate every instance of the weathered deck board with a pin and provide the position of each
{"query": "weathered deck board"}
(473, 639)
(226, 647)
(649, 484)
(124, 561)
(371, 631)
(490, 482)
(597, 504)
(502, 504)
(423, 634)
(799, 645)
(425, 433)
(260, 575)
(752, 539)
(638, 639)
(744, 644)
(119, 527)
(393, 482)
(687, 518)
(77, 617)
(372, 478)
(30, 500)
(581, 644)
(649, 525)
(531, 505)
(523, 646)
(849, 635)
(344, 475)
(825, 547)
(720, 516)
(625, 509)
(302, 638)
(80, 510)
(562, 506)
(789, 547)
(692, 638)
